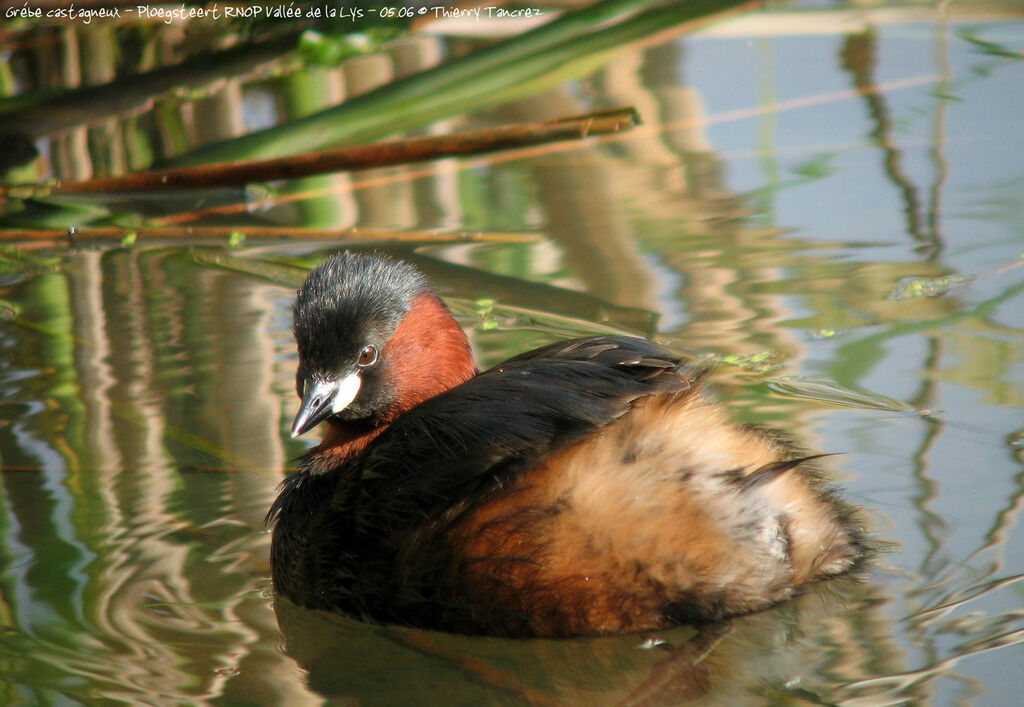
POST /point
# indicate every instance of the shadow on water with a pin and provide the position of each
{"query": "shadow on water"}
(820, 199)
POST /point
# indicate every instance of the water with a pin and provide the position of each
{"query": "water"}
(826, 199)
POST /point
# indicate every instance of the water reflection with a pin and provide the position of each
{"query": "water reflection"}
(801, 205)
(116, 497)
(723, 663)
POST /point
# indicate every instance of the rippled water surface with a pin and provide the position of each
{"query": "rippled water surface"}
(830, 200)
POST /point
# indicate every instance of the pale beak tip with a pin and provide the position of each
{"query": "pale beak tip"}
(325, 398)
(299, 427)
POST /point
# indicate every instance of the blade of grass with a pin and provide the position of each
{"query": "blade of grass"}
(574, 44)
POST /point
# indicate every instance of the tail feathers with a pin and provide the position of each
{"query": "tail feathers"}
(770, 472)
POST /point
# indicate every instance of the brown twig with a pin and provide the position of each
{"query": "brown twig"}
(357, 157)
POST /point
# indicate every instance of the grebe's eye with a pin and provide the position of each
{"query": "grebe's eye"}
(368, 356)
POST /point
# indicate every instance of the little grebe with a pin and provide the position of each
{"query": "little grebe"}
(585, 487)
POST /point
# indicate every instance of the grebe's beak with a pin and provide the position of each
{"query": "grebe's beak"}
(323, 398)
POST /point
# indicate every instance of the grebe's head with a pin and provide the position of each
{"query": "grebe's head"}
(374, 340)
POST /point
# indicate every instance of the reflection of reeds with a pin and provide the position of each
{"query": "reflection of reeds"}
(397, 103)
(83, 88)
(618, 213)
(149, 558)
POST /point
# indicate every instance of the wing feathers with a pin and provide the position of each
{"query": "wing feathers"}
(500, 424)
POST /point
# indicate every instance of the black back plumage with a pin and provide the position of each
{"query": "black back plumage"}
(479, 435)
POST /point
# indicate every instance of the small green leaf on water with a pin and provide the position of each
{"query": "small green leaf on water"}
(917, 287)
(485, 311)
(824, 334)
(484, 307)
(130, 238)
(760, 362)
(236, 239)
